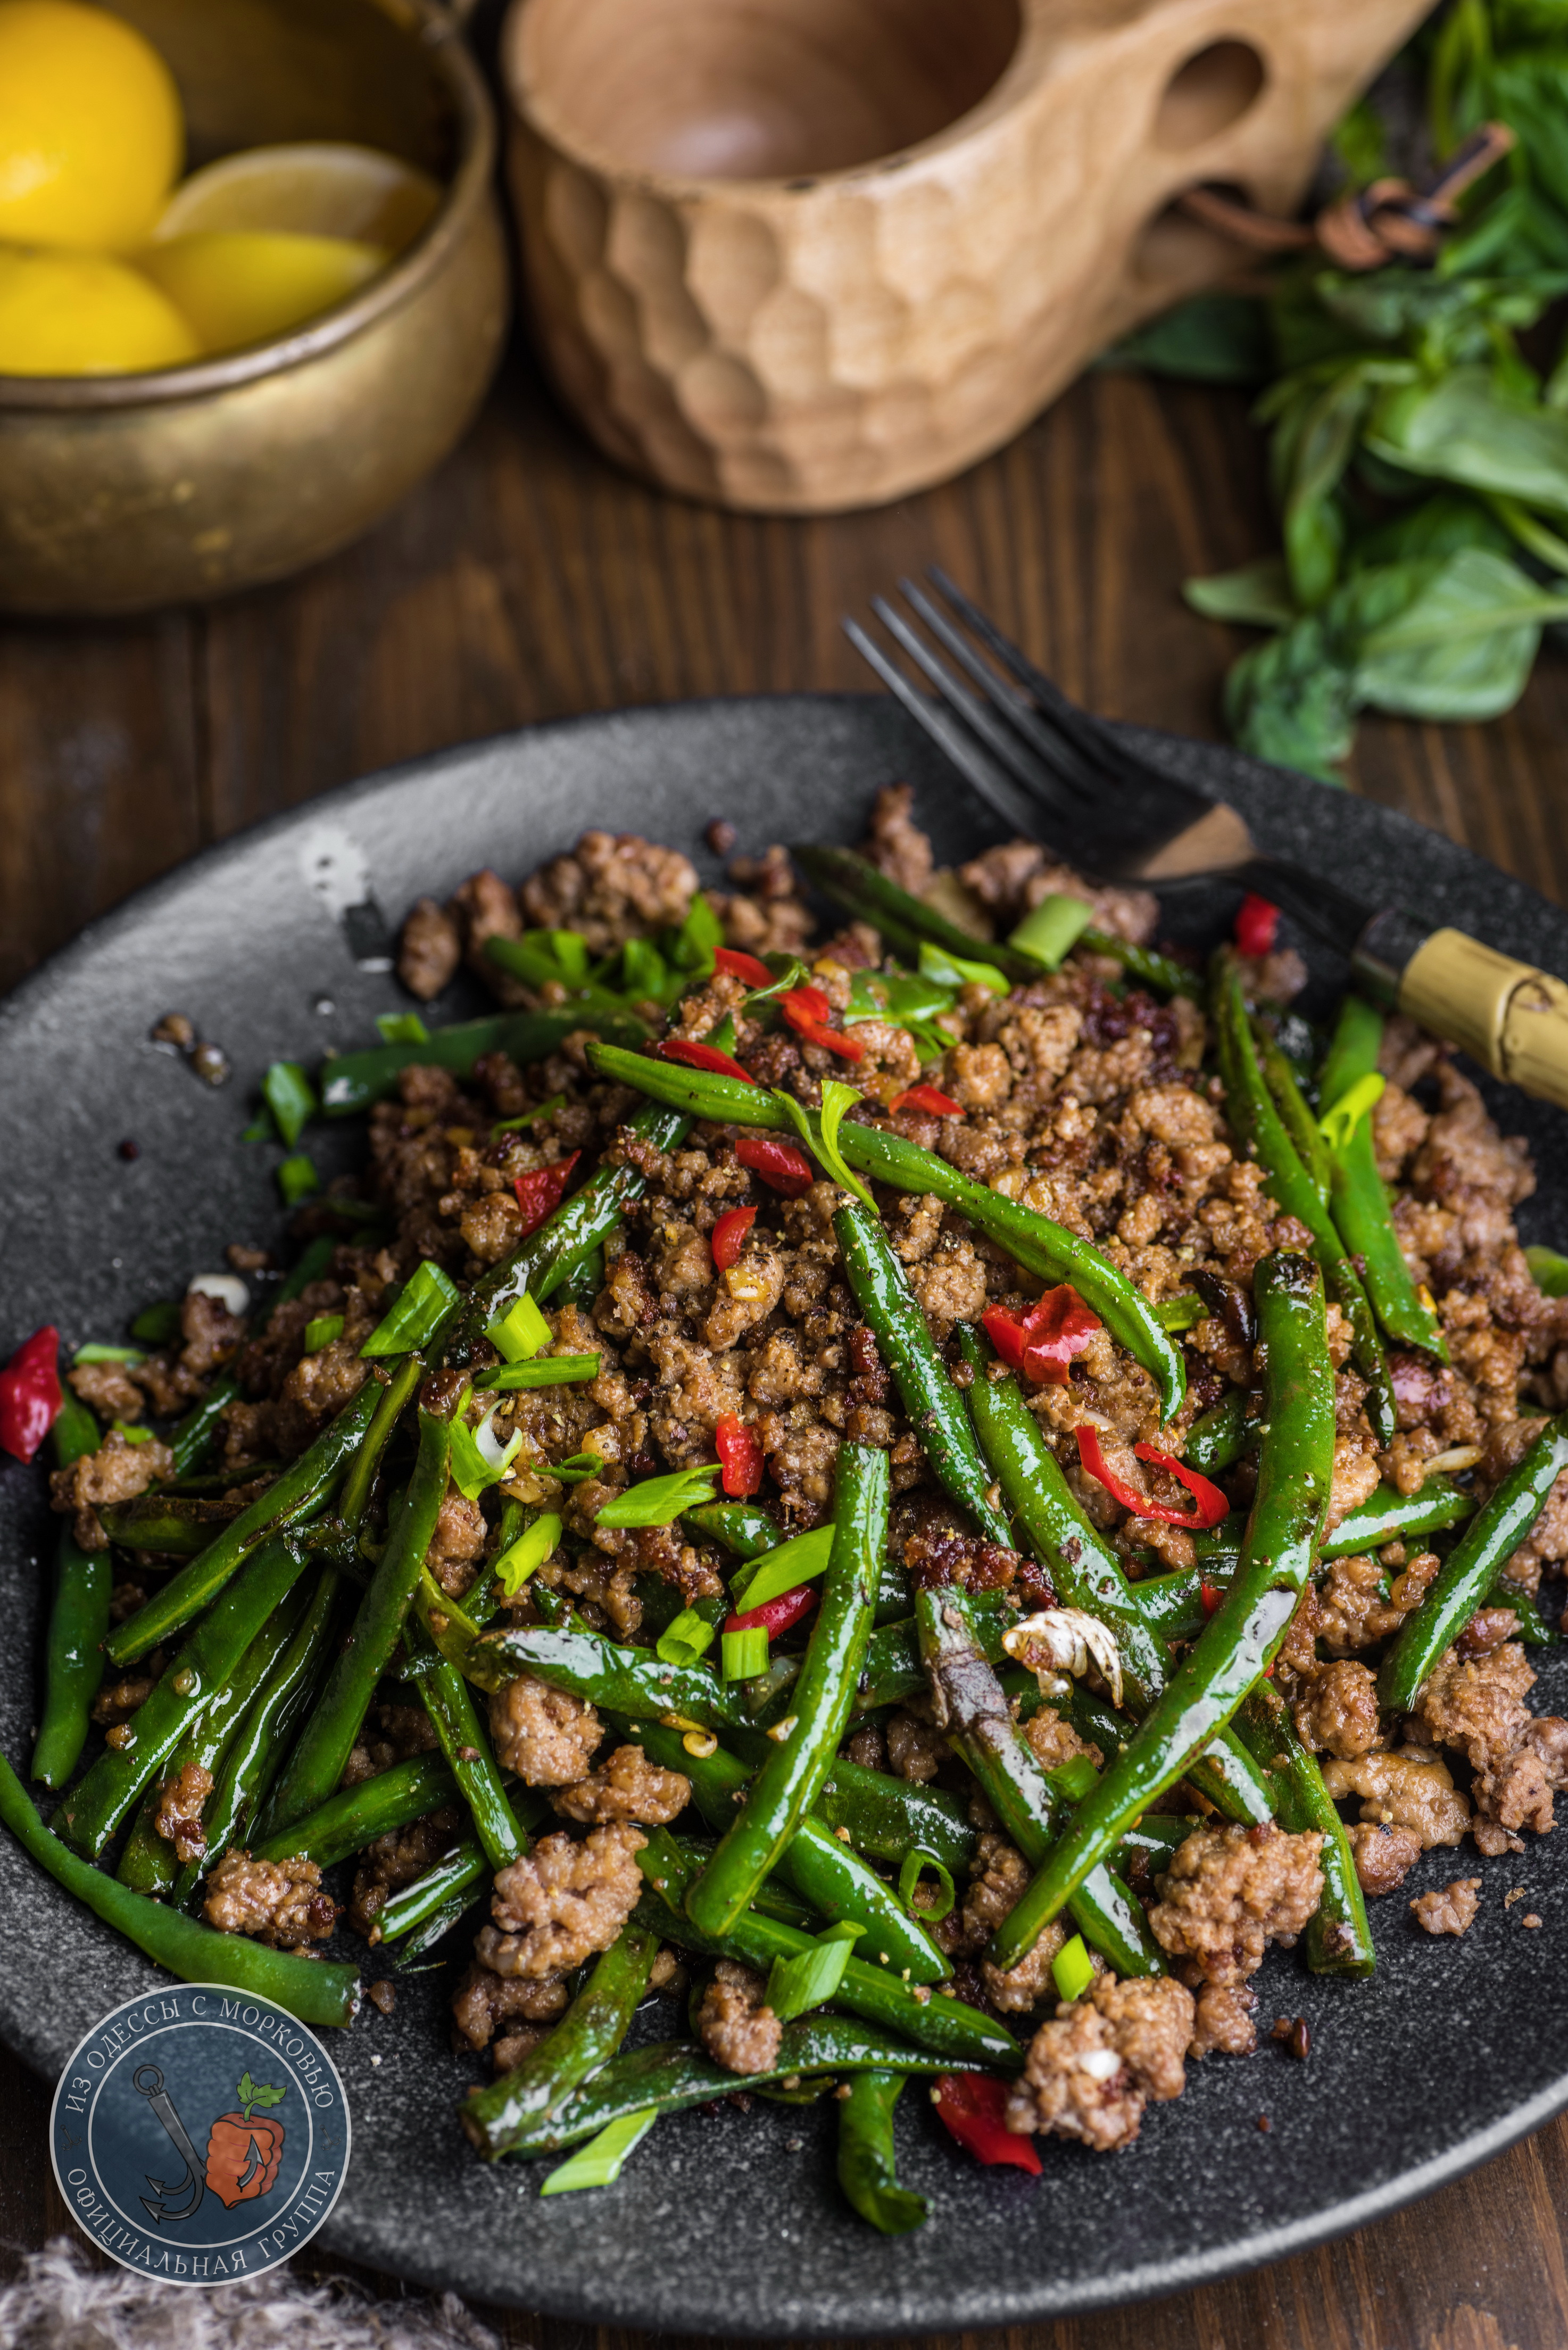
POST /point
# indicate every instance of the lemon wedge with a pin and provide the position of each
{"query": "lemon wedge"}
(316, 189)
(83, 314)
(234, 286)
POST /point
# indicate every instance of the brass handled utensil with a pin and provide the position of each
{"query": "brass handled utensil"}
(1072, 780)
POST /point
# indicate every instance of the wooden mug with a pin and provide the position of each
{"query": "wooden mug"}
(795, 256)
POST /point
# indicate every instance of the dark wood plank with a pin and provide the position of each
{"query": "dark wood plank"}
(527, 581)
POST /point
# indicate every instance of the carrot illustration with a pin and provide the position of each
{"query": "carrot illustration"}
(244, 2149)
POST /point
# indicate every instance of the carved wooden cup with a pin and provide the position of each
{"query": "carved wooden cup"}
(795, 256)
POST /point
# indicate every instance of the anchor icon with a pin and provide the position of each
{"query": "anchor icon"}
(148, 2082)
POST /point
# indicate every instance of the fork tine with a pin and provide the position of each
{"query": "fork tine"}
(1042, 735)
(1082, 727)
(998, 740)
(992, 782)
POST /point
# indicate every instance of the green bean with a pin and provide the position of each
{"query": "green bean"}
(1530, 1625)
(355, 1498)
(790, 1778)
(970, 1708)
(193, 1438)
(545, 1259)
(942, 2024)
(881, 1290)
(1358, 1195)
(1086, 1571)
(1243, 1635)
(1385, 1516)
(346, 1822)
(147, 1863)
(740, 1527)
(904, 920)
(1338, 1938)
(171, 1526)
(207, 1658)
(1222, 1435)
(446, 1887)
(316, 1991)
(224, 1481)
(1032, 1240)
(618, 1679)
(352, 1081)
(892, 1671)
(300, 1492)
(1468, 1572)
(316, 1763)
(79, 1618)
(867, 2168)
(1224, 1774)
(467, 1750)
(497, 2118)
(1294, 1113)
(886, 1819)
(1259, 1128)
(262, 1740)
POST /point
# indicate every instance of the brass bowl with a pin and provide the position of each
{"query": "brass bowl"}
(122, 492)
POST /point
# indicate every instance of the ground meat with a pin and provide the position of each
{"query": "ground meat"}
(545, 1736)
(915, 1749)
(484, 908)
(612, 886)
(563, 1902)
(1408, 1789)
(430, 950)
(1052, 1741)
(483, 2002)
(1222, 2023)
(391, 1861)
(1360, 1603)
(457, 1543)
(1092, 2070)
(279, 1902)
(1477, 1705)
(1338, 1715)
(628, 1787)
(179, 1816)
(117, 1701)
(1451, 1911)
(108, 1388)
(896, 845)
(117, 1471)
(1384, 1855)
(998, 1877)
(734, 2025)
(1230, 1891)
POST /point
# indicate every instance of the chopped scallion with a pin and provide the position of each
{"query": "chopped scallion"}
(957, 971)
(291, 1097)
(1183, 1312)
(529, 1117)
(478, 1459)
(741, 1654)
(94, 1353)
(322, 1332)
(915, 1865)
(297, 1178)
(684, 1640)
(813, 1975)
(1072, 1969)
(402, 1028)
(543, 1371)
(133, 1435)
(599, 2163)
(530, 1550)
(520, 1332)
(659, 1501)
(800, 1560)
(1051, 928)
(421, 1308)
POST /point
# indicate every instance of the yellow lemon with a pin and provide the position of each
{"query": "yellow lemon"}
(91, 131)
(318, 188)
(82, 314)
(247, 286)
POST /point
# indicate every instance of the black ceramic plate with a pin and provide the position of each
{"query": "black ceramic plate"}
(732, 2222)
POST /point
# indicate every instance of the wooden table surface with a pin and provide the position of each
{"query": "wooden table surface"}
(528, 579)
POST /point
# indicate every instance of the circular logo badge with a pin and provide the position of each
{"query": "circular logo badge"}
(198, 2135)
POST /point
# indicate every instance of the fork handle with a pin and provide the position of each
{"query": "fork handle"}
(1509, 1016)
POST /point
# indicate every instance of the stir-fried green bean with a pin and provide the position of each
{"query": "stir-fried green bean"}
(79, 1618)
(346, 1822)
(1357, 1195)
(867, 2168)
(498, 2118)
(1338, 1938)
(465, 1744)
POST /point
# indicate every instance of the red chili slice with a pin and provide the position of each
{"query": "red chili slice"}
(742, 966)
(1257, 925)
(1213, 1505)
(974, 2105)
(1043, 1342)
(740, 1455)
(1210, 1594)
(692, 1055)
(775, 1616)
(807, 1009)
(782, 1166)
(730, 1234)
(927, 1097)
(540, 1193)
(30, 1396)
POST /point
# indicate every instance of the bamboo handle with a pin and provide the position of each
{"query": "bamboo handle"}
(1509, 1016)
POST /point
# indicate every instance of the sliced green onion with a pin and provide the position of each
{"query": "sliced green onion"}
(402, 1028)
(155, 1325)
(421, 1307)
(822, 1140)
(1051, 928)
(132, 1434)
(1339, 1121)
(915, 1865)
(800, 1560)
(516, 1125)
(1183, 1312)
(530, 1550)
(1072, 1969)
(94, 1353)
(659, 1501)
(813, 1975)
(478, 1461)
(956, 970)
(1073, 1778)
(1548, 1271)
(685, 1639)
(544, 1371)
(291, 1097)
(520, 1334)
(741, 1654)
(322, 1332)
(599, 2163)
(297, 1178)
(576, 1467)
